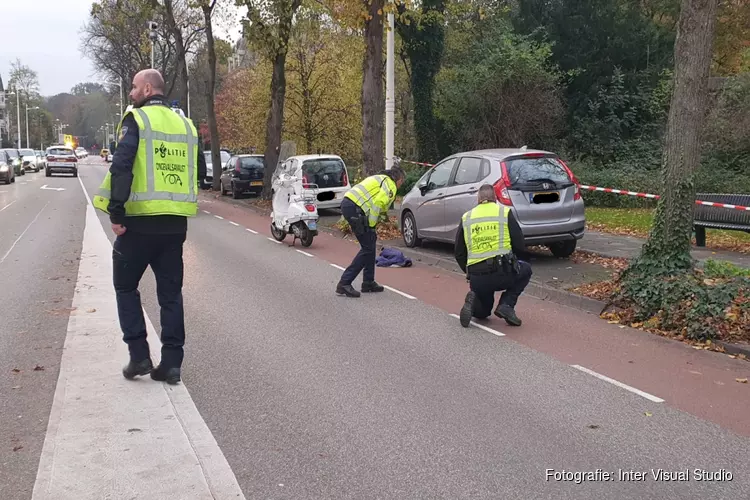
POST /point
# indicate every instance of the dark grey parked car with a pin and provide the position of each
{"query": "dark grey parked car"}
(537, 185)
(7, 172)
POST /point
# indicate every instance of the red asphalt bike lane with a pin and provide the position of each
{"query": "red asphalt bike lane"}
(699, 382)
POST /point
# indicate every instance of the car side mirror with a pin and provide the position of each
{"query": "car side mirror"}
(424, 188)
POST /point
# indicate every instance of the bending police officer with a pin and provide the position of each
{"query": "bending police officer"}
(362, 207)
(150, 191)
(487, 242)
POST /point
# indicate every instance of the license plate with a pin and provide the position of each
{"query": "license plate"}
(256, 183)
(312, 225)
(59, 164)
(531, 195)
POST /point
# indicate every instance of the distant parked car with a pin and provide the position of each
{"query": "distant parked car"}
(538, 186)
(206, 182)
(28, 160)
(7, 173)
(241, 174)
(81, 152)
(41, 159)
(327, 174)
(15, 160)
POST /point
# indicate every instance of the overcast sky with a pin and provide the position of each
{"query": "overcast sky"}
(45, 35)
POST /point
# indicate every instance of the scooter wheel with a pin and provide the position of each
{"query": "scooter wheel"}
(277, 234)
(307, 237)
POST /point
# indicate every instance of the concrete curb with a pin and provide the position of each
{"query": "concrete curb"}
(734, 348)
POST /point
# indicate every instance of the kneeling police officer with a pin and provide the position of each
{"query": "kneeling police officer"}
(487, 242)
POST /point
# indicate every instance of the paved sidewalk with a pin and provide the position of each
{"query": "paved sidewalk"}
(612, 245)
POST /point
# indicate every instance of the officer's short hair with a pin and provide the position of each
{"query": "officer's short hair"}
(486, 193)
(396, 173)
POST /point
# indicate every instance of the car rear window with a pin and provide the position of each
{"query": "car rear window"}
(251, 162)
(27, 152)
(59, 151)
(12, 153)
(328, 172)
(533, 170)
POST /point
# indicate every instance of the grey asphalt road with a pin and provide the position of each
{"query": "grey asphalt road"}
(40, 243)
(314, 396)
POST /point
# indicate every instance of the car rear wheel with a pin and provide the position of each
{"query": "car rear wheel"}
(563, 249)
(48, 173)
(75, 173)
(409, 231)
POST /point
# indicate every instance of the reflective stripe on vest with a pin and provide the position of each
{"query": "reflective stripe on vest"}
(149, 136)
(486, 213)
(363, 197)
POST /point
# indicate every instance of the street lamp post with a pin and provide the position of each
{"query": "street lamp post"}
(18, 112)
(152, 27)
(27, 124)
(390, 93)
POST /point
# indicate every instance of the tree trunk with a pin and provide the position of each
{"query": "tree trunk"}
(667, 250)
(210, 89)
(275, 121)
(181, 73)
(373, 100)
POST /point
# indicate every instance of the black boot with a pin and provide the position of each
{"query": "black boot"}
(134, 369)
(168, 375)
(347, 290)
(371, 286)
(508, 314)
(467, 311)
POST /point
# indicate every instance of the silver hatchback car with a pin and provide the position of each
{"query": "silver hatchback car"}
(539, 187)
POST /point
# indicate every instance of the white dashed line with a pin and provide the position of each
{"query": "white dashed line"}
(207, 212)
(250, 230)
(482, 327)
(219, 217)
(305, 253)
(400, 292)
(646, 395)
(233, 223)
(338, 267)
(271, 239)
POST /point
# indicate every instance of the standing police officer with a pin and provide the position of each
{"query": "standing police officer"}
(363, 206)
(487, 242)
(150, 191)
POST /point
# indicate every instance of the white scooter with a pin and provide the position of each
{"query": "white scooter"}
(295, 209)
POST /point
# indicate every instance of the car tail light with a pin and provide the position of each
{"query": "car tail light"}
(305, 181)
(344, 178)
(501, 187)
(310, 207)
(577, 194)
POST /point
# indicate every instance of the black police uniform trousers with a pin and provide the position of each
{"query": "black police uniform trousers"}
(132, 253)
(364, 261)
(485, 284)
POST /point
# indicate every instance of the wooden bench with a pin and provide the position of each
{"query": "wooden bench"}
(720, 218)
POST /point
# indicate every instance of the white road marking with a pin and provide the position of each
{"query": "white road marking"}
(646, 395)
(85, 193)
(207, 212)
(233, 223)
(481, 327)
(338, 267)
(250, 230)
(51, 189)
(271, 239)
(9, 204)
(305, 253)
(21, 235)
(100, 422)
(219, 217)
(399, 292)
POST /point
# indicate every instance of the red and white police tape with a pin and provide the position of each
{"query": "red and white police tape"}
(629, 193)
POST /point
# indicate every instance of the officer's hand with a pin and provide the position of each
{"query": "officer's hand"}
(118, 229)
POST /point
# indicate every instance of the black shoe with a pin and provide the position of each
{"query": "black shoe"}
(371, 286)
(140, 368)
(347, 290)
(508, 314)
(467, 310)
(168, 375)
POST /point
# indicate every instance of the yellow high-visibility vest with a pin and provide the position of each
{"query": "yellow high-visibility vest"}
(373, 195)
(486, 232)
(165, 170)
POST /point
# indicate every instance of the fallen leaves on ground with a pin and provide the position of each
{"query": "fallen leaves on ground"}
(65, 311)
(16, 370)
(599, 290)
(386, 230)
(266, 205)
(38, 368)
(17, 448)
(92, 310)
(741, 380)
(615, 263)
